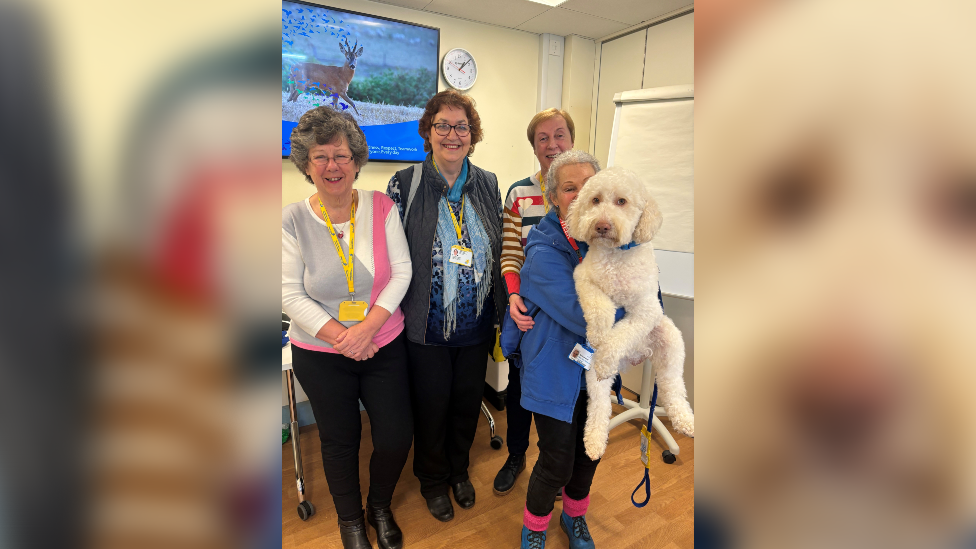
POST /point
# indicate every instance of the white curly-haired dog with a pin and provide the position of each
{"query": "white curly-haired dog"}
(612, 210)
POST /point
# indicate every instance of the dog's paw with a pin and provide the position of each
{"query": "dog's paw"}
(595, 443)
(684, 425)
(686, 430)
(595, 450)
(604, 365)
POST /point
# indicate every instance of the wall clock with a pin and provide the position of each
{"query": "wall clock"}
(459, 69)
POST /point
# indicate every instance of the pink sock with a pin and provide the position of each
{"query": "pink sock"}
(534, 523)
(575, 507)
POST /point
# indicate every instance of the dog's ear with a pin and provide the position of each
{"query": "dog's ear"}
(649, 223)
(573, 223)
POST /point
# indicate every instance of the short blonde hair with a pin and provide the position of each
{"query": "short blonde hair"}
(547, 114)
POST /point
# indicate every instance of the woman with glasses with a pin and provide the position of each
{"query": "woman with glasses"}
(452, 216)
(345, 267)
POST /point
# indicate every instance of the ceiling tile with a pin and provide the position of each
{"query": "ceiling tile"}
(506, 13)
(412, 4)
(627, 11)
(565, 22)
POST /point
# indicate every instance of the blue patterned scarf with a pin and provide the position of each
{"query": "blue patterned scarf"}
(480, 245)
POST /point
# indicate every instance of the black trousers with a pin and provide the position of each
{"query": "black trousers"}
(446, 386)
(519, 419)
(562, 461)
(335, 385)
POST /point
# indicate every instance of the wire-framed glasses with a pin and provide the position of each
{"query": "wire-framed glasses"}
(323, 159)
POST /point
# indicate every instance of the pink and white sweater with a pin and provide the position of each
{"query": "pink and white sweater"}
(313, 282)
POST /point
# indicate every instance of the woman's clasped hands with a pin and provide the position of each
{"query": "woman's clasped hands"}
(356, 343)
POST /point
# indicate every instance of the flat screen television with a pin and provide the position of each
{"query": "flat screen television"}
(381, 71)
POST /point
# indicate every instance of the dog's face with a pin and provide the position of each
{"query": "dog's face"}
(614, 209)
(836, 278)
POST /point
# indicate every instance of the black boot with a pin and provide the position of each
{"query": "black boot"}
(388, 534)
(353, 534)
(441, 508)
(464, 494)
(505, 479)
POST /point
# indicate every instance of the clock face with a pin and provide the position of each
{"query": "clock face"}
(459, 69)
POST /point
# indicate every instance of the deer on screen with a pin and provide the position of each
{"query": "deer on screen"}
(332, 80)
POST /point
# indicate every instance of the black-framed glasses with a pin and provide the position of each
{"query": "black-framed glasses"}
(323, 160)
(444, 130)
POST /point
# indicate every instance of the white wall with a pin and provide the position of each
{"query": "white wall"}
(621, 69)
(506, 94)
(661, 55)
(669, 58)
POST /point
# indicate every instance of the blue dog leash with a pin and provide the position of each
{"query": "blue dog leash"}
(645, 457)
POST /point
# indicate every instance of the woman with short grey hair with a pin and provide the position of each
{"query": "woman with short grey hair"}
(321, 125)
(347, 327)
(553, 385)
(572, 156)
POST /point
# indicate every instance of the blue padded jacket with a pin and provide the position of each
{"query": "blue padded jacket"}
(551, 382)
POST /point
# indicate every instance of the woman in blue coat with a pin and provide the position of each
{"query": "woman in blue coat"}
(553, 386)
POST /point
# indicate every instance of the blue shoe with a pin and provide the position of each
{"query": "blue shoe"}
(532, 539)
(575, 528)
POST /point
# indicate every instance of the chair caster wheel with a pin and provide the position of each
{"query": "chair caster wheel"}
(496, 442)
(668, 457)
(305, 510)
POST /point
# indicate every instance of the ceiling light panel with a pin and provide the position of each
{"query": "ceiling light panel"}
(552, 3)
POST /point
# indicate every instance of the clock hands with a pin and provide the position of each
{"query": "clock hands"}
(459, 68)
(463, 64)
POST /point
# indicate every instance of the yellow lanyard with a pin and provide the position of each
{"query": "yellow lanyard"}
(457, 222)
(542, 183)
(347, 264)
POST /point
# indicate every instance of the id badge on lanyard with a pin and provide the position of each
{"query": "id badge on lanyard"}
(350, 310)
(581, 354)
(459, 254)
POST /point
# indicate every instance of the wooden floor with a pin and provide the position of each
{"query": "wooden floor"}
(667, 522)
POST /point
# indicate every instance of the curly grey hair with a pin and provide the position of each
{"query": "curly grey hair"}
(323, 125)
(572, 156)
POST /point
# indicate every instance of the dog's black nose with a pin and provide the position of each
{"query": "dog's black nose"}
(843, 395)
(602, 227)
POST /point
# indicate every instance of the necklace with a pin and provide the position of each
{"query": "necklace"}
(342, 231)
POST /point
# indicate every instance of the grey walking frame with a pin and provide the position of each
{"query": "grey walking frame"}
(305, 508)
